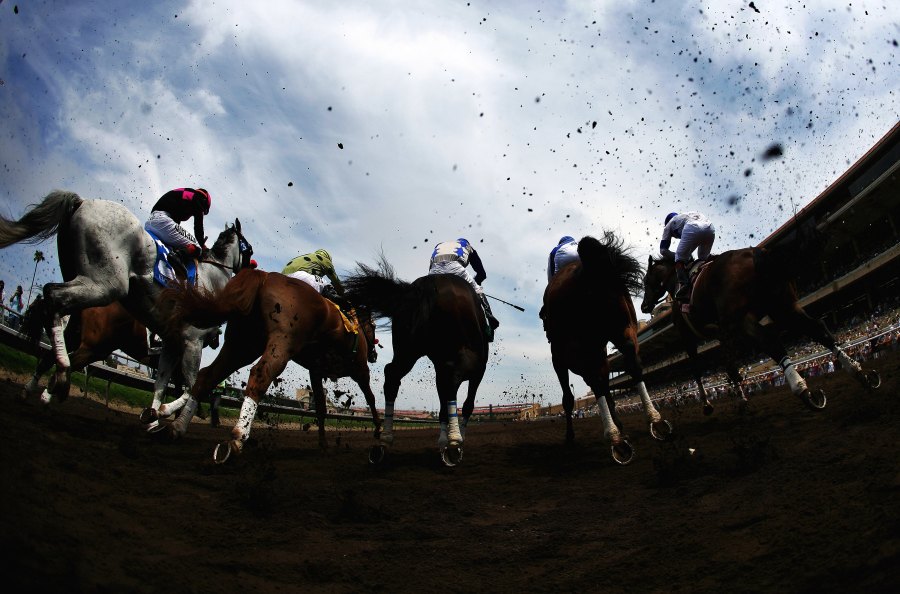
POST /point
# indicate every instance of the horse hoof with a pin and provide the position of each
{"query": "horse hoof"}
(661, 430)
(148, 416)
(223, 451)
(871, 379)
(815, 400)
(622, 452)
(377, 454)
(708, 409)
(451, 455)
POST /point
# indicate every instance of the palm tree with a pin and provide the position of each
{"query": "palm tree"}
(38, 257)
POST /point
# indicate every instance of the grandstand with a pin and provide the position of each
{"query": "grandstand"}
(855, 272)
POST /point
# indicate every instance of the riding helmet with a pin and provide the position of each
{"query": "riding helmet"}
(669, 217)
(206, 199)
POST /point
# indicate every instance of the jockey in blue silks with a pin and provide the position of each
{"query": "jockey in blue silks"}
(694, 231)
(452, 257)
(565, 252)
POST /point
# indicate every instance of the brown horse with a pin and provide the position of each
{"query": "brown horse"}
(730, 298)
(586, 305)
(98, 331)
(438, 316)
(277, 319)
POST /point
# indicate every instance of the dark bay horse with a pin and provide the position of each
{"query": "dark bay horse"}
(105, 255)
(276, 319)
(730, 298)
(586, 305)
(96, 332)
(438, 316)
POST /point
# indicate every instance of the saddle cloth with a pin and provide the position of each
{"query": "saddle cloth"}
(163, 273)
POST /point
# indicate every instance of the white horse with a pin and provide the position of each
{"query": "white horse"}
(105, 255)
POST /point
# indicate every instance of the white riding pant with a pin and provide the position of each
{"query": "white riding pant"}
(316, 282)
(171, 233)
(566, 254)
(455, 268)
(694, 236)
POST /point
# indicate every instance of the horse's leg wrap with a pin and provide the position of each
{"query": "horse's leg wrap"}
(609, 427)
(57, 336)
(797, 383)
(846, 362)
(453, 433)
(387, 428)
(183, 421)
(442, 438)
(245, 419)
(649, 409)
(173, 407)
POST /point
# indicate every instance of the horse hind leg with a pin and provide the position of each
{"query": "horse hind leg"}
(45, 362)
(79, 293)
(568, 398)
(394, 372)
(817, 330)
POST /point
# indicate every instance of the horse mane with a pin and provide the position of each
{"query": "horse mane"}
(610, 258)
(219, 250)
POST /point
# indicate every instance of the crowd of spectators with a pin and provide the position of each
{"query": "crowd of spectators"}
(862, 338)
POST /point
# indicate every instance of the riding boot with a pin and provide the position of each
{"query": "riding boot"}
(492, 321)
(177, 259)
(684, 282)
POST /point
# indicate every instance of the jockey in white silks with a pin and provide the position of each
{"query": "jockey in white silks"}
(694, 232)
(565, 252)
(452, 257)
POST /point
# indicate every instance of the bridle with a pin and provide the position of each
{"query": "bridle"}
(245, 250)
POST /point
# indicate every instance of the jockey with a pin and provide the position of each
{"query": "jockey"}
(175, 207)
(565, 252)
(452, 257)
(694, 231)
(311, 268)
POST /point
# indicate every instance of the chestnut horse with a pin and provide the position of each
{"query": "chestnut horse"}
(97, 332)
(438, 316)
(586, 305)
(730, 298)
(277, 319)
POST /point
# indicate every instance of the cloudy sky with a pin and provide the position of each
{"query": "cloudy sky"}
(393, 125)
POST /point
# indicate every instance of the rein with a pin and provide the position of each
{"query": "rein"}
(220, 265)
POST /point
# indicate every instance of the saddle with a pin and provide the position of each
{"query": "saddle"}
(164, 269)
(696, 268)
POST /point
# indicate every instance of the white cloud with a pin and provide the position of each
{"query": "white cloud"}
(455, 120)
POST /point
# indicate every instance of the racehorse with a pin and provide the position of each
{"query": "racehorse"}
(277, 319)
(586, 305)
(105, 255)
(732, 294)
(438, 316)
(98, 331)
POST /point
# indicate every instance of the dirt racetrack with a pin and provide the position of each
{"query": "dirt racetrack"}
(776, 499)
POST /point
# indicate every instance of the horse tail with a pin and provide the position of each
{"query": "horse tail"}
(208, 309)
(42, 221)
(379, 289)
(609, 261)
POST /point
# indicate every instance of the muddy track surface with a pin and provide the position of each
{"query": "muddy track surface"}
(775, 498)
